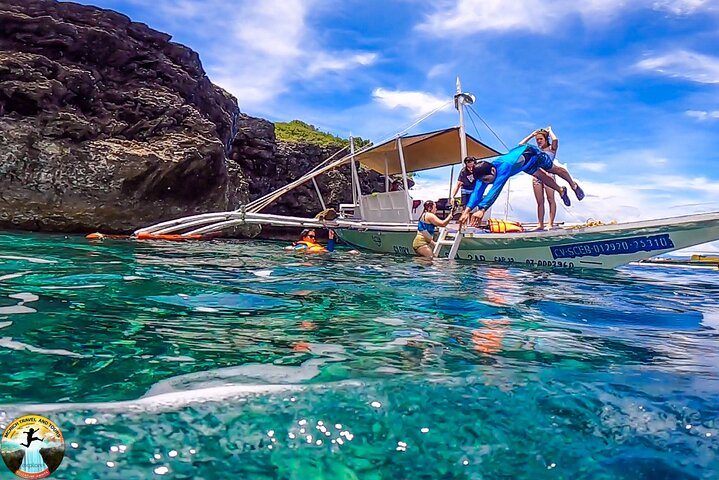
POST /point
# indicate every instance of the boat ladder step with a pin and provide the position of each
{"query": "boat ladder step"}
(453, 243)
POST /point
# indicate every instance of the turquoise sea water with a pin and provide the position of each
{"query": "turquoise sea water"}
(239, 360)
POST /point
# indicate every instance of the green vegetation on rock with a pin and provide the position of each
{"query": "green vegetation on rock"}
(297, 131)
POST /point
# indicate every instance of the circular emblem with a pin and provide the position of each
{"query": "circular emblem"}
(32, 447)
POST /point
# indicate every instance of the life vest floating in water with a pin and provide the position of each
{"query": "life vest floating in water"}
(504, 226)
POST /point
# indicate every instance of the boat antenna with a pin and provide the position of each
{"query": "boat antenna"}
(460, 100)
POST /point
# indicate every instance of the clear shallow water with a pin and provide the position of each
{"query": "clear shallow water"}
(203, 360)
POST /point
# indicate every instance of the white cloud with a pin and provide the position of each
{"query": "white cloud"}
(703, 115)
(465, 17)
(683, 64)
(275, 28)
(656, 197)
(682, 7)
(417, 102)
(255, 50)
(595, 167)
(440, 69)
(339, 61)
(264, 43)
(429, 189)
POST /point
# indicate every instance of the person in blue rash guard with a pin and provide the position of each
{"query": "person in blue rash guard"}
(522, 158)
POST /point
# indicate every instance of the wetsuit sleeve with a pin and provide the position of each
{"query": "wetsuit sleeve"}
(503, 175)
(331, 245)
(479, 189)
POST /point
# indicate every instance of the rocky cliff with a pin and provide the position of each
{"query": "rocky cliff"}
(106, 124)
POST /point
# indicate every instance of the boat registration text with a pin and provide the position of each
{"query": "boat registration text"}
(620, 246)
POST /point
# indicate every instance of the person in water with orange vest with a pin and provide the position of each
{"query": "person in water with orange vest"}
(308, 242)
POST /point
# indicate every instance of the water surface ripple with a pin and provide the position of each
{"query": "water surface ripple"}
(235, 358)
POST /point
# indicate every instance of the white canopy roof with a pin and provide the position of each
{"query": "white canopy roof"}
(422, 152)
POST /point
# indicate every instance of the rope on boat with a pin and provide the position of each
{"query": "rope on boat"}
(471, 110)
(249, 213)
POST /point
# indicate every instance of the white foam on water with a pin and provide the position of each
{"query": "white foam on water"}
(10, 276)
(206, 309)
(27, 259)
(178, 358)
(262, 273)
(173, 400)
(8, 342)
(131, 277)
(77, 287)
(20, 308)
(5, 324)
(389, 321)
(25, 297)
(162, 402)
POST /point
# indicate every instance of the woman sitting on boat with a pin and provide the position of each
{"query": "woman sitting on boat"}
(308, 243)
(423, 243)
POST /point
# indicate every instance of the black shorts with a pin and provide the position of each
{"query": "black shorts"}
(465, 198)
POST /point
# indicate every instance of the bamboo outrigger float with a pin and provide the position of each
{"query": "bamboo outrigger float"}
(387, 222)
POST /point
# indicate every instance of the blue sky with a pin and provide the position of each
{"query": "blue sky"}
(630, 87)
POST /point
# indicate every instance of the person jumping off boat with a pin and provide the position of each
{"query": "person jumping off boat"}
(30, 437)
(522, 158)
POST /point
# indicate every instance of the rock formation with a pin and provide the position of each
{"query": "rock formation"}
(105, 124)
(13, 459)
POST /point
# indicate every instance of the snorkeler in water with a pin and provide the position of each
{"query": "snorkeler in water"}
(308, 243)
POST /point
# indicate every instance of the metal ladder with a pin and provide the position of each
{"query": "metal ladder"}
(453, 243)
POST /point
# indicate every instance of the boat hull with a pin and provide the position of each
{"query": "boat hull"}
(591, 247)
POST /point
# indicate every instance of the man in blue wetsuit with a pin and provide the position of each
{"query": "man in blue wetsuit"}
(523, 158)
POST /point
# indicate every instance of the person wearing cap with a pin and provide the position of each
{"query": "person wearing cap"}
(466, 181)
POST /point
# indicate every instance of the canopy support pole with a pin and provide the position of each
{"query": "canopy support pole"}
(353, 166)
(319, 194)
(404, 178)
(356, 194)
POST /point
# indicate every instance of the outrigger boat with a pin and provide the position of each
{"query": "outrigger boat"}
(387, 221)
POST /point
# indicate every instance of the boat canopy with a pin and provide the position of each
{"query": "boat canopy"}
(422, 152)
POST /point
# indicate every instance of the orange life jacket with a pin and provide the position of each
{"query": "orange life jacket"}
(309, 247)
(504, 226)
